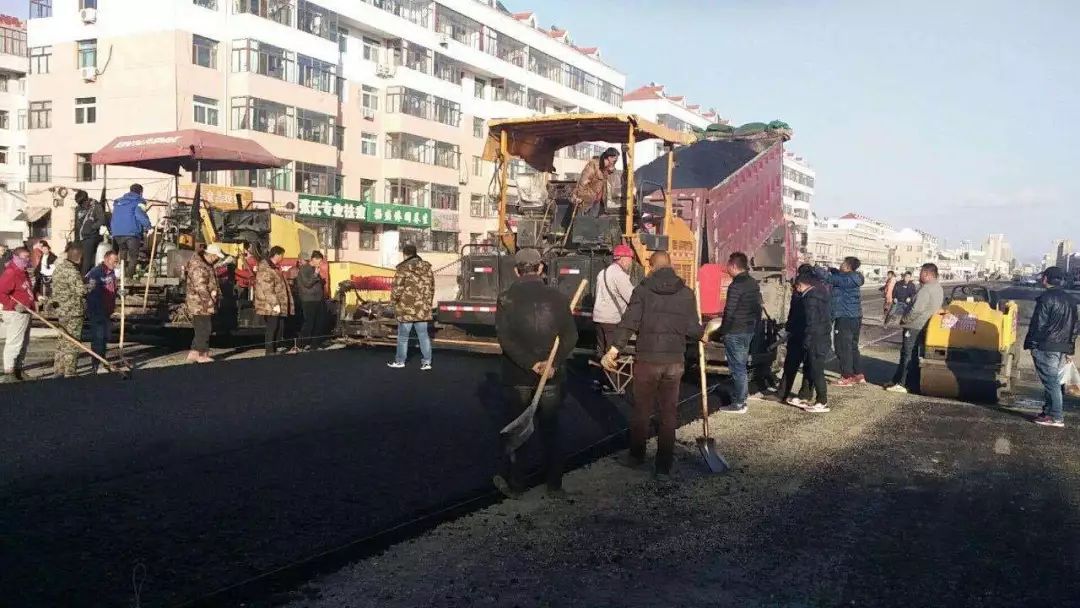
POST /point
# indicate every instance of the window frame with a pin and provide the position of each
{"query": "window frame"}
(86, 56)
(207, 45)
(209, 106)
(82, 163)
(85, 111)
(35, 174)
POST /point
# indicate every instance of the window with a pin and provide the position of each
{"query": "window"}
(210, 4)
(13, 42)
(251, 113)
(40, 9)
(264, 59)
(479, 87)
(4, 120)
(314, 126)
(367, 190)
(3, 155)
(87, 52)
(369, 101)
(368, 237)
(22, 120)
(279, 12)
(317, 179)
(476, 205)
(87, 4)
(422, 105)
(316, 74)
(84, 169)
(372, 49)
(314, 19)
(478, 166)
(206, 110)
(444, 197)
(444, 241)
(342, 39)
(420, 238)
(85, 110)
(478, 127)
(447, 69)
(39, 59)
(40, 168)
(4, 83)
(22, 156)
(276, 179)
(204, 51)
(369, 145)
(40, 114)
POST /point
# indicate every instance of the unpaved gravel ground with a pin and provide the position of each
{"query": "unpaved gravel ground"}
(886, 501)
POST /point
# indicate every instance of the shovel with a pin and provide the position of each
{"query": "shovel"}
(519, 430)
(123, 370)
(705, 444)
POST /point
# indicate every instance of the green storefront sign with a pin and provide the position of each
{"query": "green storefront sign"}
(398, 215)
(330, 207)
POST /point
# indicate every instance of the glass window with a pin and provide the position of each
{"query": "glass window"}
(85, 110)
(444, 197)
(478, 166)
(204, 51)
(368, 237)
(446, 242)
(478, 127)
(369, 144)
(5, 119)
(254, 114)
(476, 205)
(22, 120)
(84, 169)
(447, 69)
(369, 101)
(88, 4)
(316, 20)
(39, 59)
(479, 88)
(205, 110)
(276, 179)
(317, 179)
(40, 168)
(210, 4)
(13, 42)
(315, 74)
(372, 49)
(367, 190)
(422, 105)
(279, 12)
(87, 52)
(40, 114)
(314, 126)
(40, 9)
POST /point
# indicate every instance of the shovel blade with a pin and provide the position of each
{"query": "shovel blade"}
(713, 460)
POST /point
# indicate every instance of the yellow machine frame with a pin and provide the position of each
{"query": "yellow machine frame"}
(535, 140)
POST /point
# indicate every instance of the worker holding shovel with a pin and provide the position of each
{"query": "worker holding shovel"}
(530, 318)
(69, 300)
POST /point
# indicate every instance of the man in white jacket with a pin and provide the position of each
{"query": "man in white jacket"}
(613, 288)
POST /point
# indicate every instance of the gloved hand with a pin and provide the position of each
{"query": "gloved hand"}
(20, 308)
(213, 295)
(277, 309)
(608, 360)
(538, 369)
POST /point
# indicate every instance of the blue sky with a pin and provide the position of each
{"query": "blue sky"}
(959, 117)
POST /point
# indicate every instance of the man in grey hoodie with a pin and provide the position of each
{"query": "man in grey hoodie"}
(928, 301)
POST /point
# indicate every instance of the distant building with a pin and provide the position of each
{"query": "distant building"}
(999, 255)
(651, 102)
(798, 197)
(13, 65)
(851, 235)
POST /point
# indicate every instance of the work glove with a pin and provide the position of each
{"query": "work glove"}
(213, 295)
(538, 369)
(608, 360)
(277, 309)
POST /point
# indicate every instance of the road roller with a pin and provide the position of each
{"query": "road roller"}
(970, 347)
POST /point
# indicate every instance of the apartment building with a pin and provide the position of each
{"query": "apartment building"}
(378, 105)
(13, 213)
(798, 197)
(653, 103)
(852, 235)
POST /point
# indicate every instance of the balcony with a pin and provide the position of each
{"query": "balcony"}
(278, 11)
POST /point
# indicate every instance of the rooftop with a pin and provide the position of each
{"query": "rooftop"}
(656, 91)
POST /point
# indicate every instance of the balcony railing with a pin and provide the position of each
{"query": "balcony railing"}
(279, 11)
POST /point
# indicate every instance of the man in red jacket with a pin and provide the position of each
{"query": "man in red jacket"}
(16, 297)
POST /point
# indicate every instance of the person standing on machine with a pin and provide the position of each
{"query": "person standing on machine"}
(592, 187)
(89, 219)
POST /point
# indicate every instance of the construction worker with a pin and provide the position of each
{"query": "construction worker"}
(591, 190)
(100, 303)
(663, 316)
(201, 300)
(89, 220)
(613, 289)
(742, 313)
(273, 298)
(16, 298)
(69, 302)
(928, 301)
(529, 316)
(412, 296)
(129, 226)
(311, 291)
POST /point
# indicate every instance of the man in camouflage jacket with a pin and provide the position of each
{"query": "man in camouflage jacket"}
(69, 300)
(413, 296)
(201, 299)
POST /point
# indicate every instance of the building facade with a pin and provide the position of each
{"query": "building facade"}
(372, 103)
(852, 235)
(13, 117)
(798, 197)
(651, 102)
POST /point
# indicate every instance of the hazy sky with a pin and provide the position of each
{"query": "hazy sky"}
(958, 117)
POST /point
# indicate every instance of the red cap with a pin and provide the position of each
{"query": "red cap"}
(623, 251)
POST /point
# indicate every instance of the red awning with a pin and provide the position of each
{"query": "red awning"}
(168, 152)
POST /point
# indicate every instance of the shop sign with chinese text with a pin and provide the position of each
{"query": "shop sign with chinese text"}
(330, 208)
(399, 215)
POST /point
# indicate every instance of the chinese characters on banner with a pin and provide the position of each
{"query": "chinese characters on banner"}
(399, 215)
(330, 208)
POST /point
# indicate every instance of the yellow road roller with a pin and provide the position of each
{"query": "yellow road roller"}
(970, 347)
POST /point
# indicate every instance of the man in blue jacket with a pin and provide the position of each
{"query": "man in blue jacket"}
(847, 320)
(129, 224)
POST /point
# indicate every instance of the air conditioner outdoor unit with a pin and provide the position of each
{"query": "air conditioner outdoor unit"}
(367, 113)
(89, 73)
(88, 15)
(444, 40)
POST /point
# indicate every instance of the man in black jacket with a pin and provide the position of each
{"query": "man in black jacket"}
(311, 291)
(663, 315)
(529, 317)
(89, 218)
(742, 313)
(1051, 338)
(816, 304)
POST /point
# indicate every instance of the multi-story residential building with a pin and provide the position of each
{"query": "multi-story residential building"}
(653, 103)
(14, 217)
(371, 102)
(798, 196)
(852, 235)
